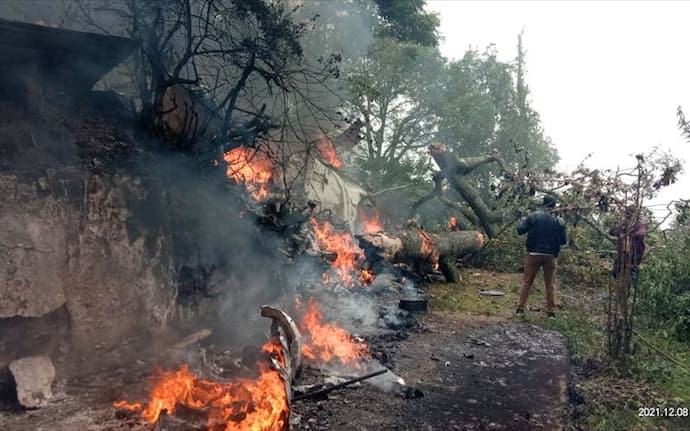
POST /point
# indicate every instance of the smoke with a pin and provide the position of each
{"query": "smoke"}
(226, 266)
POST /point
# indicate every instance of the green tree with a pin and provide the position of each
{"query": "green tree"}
(486, 111)
(395, 90)
(407, 21)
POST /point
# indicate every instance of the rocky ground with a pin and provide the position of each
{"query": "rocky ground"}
(474, 374)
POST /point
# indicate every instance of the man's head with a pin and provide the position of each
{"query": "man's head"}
(549, 202)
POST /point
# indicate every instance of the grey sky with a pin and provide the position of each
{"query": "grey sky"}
(606, 77)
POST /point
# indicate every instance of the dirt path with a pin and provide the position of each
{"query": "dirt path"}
(476, 374)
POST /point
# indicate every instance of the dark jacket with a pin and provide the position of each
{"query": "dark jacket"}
(545, 232)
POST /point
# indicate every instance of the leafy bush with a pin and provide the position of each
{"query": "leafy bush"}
(505, 253)
(580, 262)
(586, 261)
(664, 291)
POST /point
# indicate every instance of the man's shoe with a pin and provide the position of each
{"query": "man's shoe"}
(551, 315)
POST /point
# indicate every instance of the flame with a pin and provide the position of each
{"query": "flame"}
(250, 167)
(427, 247)
(325, 342)
(452, 224)
(371, 223)
(342, 245)
(243, 405)
(366, 276)
(327, 152)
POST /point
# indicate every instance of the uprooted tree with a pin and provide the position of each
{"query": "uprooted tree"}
(611, 203)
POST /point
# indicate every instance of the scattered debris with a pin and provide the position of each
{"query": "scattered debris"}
(478, 342)
(328, 389)
(193, 338)
(491, 293)
(414, 305)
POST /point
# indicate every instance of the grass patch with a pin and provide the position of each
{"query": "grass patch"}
(651, 367)
(606, 419)
(465, 297)
(584, 338)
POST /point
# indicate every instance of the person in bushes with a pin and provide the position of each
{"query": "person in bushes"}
(630, 246)
(546, 233)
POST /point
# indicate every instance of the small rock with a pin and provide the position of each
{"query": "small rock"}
(33, 376)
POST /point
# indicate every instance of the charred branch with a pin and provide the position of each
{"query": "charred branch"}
(324, 391)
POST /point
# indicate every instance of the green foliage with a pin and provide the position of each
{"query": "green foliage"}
(464, 296)
(664, 291)
(584, 338)
(649, 366)
(408, 21)
(395, 90)
(486, 110)
(505, 253)
(586, 260)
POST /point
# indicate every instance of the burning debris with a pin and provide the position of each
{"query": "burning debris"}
(345, 253)
(259, 404)
(327, 152)
(251, 405)
(325, 343)
(452, 225)
(370, 220)
(250, 167)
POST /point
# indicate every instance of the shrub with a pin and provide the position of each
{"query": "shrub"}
(664, 291)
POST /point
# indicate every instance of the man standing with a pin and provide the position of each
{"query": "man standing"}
(546, 233)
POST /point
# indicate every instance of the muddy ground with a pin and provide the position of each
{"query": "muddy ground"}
(474, 373)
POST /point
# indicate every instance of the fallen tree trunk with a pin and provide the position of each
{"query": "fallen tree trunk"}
(416, 245)
(455, 170)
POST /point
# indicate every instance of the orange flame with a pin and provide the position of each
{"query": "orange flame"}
(427, 247)
(327, 152)
(251, 168)
(244, 405)
(325, 342)
(370, 223)
(452, 224)
(366, 276)
(342, 245)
